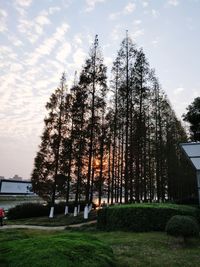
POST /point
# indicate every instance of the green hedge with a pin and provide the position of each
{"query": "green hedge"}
(141, 217)
(28, 210)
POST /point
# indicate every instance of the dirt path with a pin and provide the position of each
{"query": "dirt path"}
(57, 228)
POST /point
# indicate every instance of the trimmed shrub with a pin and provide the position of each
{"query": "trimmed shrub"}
(182, 226)
(141, 217)
(28, 210)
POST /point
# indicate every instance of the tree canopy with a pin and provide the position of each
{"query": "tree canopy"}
(193, 117)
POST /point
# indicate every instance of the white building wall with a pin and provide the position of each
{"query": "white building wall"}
(15, 187)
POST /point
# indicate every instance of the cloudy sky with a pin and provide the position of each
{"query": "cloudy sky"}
(39, 39)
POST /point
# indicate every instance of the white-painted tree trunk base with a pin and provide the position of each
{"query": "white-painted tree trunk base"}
(79, 208)
(90, 208)
(86, 212)
(66, 210)
(75, 211)
(51, 214)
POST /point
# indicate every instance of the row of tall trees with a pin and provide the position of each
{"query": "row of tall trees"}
(119, 141)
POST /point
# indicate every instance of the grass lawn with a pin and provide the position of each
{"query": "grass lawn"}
(20, 247)
(151, 249)
(38, 249)
(58, 220)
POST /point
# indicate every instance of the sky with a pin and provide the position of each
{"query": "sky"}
(39, 39)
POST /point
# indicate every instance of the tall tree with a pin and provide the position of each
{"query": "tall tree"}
(47, 168)
(79, 108)
(193, 117)
(126, 59)
(93, 78)
(140, 103)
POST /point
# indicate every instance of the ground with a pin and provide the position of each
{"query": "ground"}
(130, 249)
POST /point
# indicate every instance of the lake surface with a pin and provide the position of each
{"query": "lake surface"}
(7, 204)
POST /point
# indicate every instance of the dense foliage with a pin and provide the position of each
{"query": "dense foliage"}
(27, 210)
(193, 117)
(184, 226)
(119, 141)
(141, 217)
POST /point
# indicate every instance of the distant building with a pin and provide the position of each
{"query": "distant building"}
(15, 187)
(16, 178)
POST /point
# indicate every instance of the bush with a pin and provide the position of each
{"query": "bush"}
(182, 226)
(28, 210)
(141, 217)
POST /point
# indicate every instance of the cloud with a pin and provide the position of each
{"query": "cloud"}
(30, 29)
(23, 3)
(21, 11)
(15, 40)
(48, 44)
(173, 3)
(108, 61)
(16, 67)
(34, 28)
(90, 4)
(129, 8)
(137, 22)
(155, 13)
(63, 52)
(42, 20)
(136, 29)
(25, 88)
(54, 9)
(78, 39)
(61, 31)
(3, 18)
(145, 4)
(79, 57)
(155, 42)
(116, 32)
(178, 90)
(23, 93)
(195, 94)
(137, 33)
(114, 16)
(7, 52)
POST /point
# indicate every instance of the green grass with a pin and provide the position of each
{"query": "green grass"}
(42, 248)
(151, 249)
(22, 249)
(58, 220)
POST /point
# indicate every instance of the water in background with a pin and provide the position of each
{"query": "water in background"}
(7, 204)
(12, 202)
